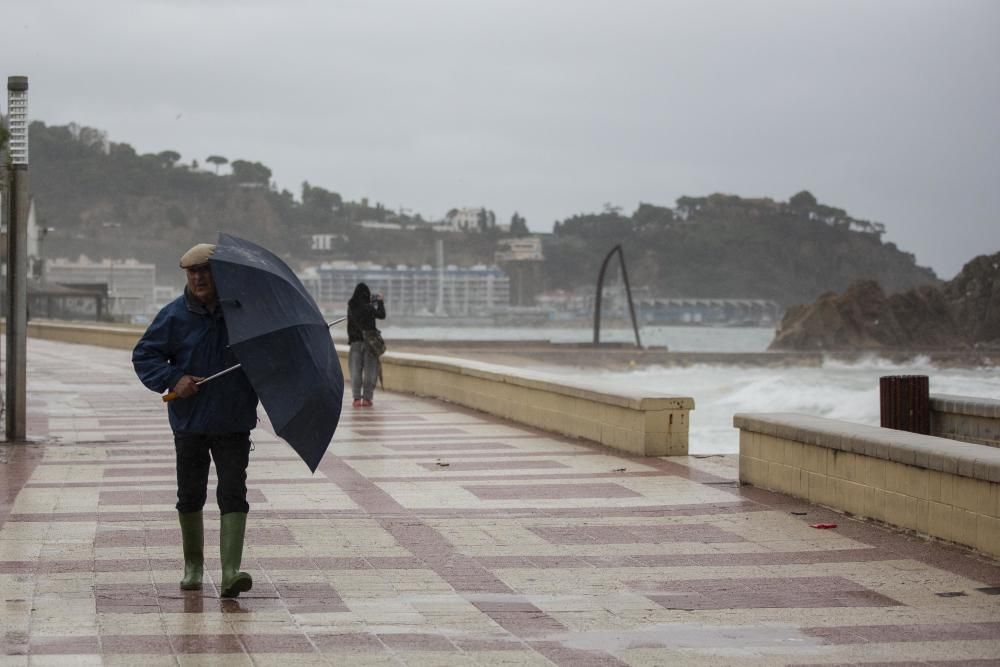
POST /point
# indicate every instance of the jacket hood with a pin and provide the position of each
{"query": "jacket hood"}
(361, 295)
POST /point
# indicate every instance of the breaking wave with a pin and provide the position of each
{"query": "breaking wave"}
(836, 390)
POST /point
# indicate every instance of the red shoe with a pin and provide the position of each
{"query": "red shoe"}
(356, 403)
(365, 403)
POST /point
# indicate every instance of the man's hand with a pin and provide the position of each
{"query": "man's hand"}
(186, 387)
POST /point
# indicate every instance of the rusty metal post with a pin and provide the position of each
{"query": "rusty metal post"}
(905, 402)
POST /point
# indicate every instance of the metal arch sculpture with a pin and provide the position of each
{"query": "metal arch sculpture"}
(628, 293)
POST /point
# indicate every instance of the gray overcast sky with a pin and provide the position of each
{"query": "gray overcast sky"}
(886, 108)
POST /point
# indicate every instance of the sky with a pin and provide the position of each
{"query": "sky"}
(889, 109)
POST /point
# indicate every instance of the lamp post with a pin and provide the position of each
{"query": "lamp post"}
(17, 259)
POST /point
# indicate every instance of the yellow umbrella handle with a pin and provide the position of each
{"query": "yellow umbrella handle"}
(169, 396)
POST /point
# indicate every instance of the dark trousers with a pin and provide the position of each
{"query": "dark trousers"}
(231, 453)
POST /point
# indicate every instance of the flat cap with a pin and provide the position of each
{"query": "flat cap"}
(197, 255)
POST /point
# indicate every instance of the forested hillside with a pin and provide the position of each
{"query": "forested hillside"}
(727, 246)
(104, 200)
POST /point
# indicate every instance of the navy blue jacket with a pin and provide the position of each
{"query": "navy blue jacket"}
(186, 339)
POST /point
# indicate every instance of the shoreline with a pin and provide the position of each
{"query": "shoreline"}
(623, 356)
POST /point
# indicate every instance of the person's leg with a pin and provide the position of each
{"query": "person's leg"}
(232, 456)
(370, 376)
(192, 482)
(356, 362)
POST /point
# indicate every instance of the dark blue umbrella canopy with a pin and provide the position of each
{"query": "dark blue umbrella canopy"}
(282, 341)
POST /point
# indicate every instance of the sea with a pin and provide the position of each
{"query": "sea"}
(835, 389)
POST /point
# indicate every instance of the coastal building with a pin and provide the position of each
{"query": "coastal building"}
(131, 284)
(746, 312)
(663, 311)
(469, 220)
(476, 291)
(522, 260)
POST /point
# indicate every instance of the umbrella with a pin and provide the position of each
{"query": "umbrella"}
(282, 342)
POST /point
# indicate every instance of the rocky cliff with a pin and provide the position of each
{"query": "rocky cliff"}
(962, 313)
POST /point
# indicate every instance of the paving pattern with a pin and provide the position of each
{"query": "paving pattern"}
(433, 535)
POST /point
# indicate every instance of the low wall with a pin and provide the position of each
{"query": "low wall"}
(935, 486)
(966, 418)
(636, 422)
(121, 337)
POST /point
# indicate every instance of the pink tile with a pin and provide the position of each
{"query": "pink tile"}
(348, 642)
(404, 433)
(263, 536)
(185, 644)
(448, 446)
(696, 532)
(550, 491)
(277, 643)
(761, 593)
(161, 497)
(133, 472)
(135, 644)
(412, 641)
(573, 657)
(82, 645)
(495, 465)
(860, 634)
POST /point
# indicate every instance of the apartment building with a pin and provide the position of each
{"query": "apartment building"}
(453, 291)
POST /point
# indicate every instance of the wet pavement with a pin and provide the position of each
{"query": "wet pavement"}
(434, 535)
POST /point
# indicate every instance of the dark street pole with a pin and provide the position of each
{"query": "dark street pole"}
(17, 259)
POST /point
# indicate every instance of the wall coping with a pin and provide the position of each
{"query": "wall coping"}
(972, 406)
(586, 400)
(549, 382)
(90, 326)
(924, 451)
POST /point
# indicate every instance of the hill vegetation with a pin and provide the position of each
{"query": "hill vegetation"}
(103, 199)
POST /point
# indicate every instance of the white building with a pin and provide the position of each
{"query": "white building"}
(465, 220)
(131, 283)
(454, 291)
(522, 249)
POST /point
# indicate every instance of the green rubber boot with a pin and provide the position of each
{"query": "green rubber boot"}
(234, 582)
(193, 537)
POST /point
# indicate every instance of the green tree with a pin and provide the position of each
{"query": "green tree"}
(169, 158)
(217, 160)
(652, 217)
(803, 201)
(251, 172)
(518, 225)
(320, 198)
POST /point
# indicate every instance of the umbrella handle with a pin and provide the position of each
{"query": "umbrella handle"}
(169, 396)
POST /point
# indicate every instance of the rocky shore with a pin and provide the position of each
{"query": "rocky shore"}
(961, 316)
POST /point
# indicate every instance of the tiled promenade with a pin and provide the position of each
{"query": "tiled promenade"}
(436, 536)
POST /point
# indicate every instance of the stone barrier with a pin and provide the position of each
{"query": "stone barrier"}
(935, 486)
(636, 422)
(966, 418)
(122, 337)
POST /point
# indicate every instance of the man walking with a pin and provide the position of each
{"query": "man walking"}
(186, 342)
